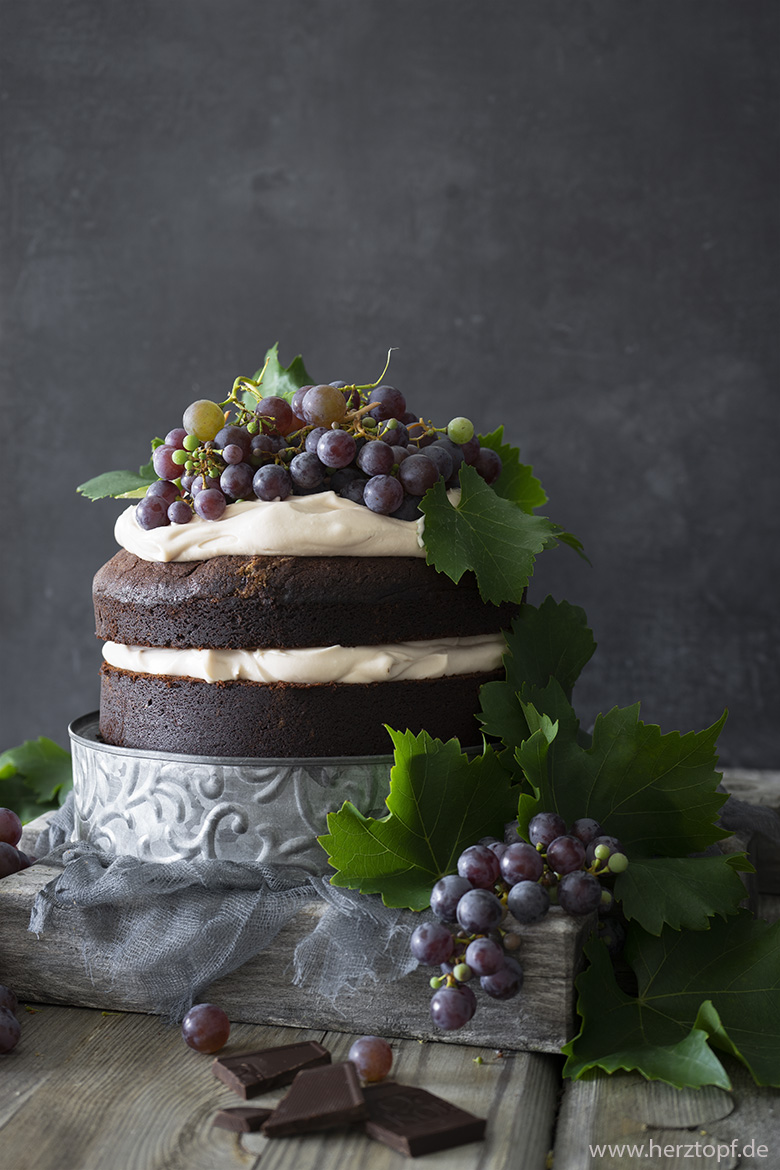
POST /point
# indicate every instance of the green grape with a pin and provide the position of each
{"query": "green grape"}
(462, 972)
(460, 430)
(180, 458)
(323, 405)
(618, 863)
(203, 419)
(191, 442)
(601, 852)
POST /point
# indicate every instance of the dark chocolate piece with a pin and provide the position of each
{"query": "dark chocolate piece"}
(320, 1098)
(252, 1073)
(242, 1118)
(413, 1121)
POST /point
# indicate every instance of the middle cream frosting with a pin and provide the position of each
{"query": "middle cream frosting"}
(401, 661)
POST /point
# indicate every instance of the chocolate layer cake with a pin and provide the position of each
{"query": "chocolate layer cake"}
(289, 656)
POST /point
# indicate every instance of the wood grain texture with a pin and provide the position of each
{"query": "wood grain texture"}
(122, 1092)
(51, 969)
(760, 788)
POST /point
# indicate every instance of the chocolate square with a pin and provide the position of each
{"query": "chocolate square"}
(413, 1121)
(242, 1118)
(319, 1098)
(251, 1073)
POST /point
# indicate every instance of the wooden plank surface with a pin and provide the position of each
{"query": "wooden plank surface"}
(51, 969)
(86, 1090)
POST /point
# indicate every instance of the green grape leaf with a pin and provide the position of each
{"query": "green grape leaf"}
(35, 776)
(483, 532)
(440, 802)
(656, 793)
(280, 381)
(723, 983)
(681, 892)
(118, 484)
(516, 482)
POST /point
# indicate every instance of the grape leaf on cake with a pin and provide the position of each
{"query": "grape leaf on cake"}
(126, 485)
(517, 481)
(551, 641)
(440, 802)
(697, 990)
(656, 793)
(34, 777)
(278, 381)
(483, 532)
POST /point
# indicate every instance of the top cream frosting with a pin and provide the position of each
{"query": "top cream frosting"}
(306, 526)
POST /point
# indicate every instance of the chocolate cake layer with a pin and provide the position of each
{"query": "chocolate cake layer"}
(282, 719)
(286, 602)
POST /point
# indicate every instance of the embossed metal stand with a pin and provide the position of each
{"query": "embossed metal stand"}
(161, 806)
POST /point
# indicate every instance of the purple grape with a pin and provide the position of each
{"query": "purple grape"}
(484, 956)
(506, 982)
(565, 854)
(545, 827)
(383, 494)
(233, 453)
(10, 1031)
(10, 861)
(26, 859)
(521, 862)
(165, 489)
(585, 829)
(612, 844)
(418, 474)
(354, 491)
(336, 449)
(233, 436)
(376, 458)
(387, 403)
(393, 432)
(441, 459)
(372, 1057)
(175, 438)
(277, 411)
(263, 445)
(431, 943)
(210, 503)
(579, 892)
(470, 450)
(205, 1028)
(179, 512)
(10, 826)
(297, 400)
(480, 866)
(313, 438)
(488, 464)
(409, 510)
(236, 480)
(151, 512)
(479, 911)
(454, 450)
(186, 482)
(499, 848)
(8, 999)
(451, 1008)
(446, 894)
(163, 464)
(199, 484)
(528, 902)
(323, 405)
(306, 470)
(272, 482)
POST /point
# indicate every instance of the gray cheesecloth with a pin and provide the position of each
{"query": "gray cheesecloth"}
(174, 927)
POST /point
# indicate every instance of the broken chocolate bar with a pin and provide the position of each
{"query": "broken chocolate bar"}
(252, 1073)
(320, 1098)
(413, 1121)
(242, 1118)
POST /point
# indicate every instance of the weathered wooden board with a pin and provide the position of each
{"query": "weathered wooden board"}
(122, 1092)
(51, 969)
(761, 788)
(605, 1121)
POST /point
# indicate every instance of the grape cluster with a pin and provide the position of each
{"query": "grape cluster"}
(358, 441)
(11, 859)
(470, 936)
(10, 1028)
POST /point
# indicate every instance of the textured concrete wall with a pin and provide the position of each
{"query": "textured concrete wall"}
(564, 215)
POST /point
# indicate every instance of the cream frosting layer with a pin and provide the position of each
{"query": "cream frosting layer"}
(305, 526)
(401, 661)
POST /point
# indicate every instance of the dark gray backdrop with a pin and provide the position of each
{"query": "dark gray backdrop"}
(562, 214)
